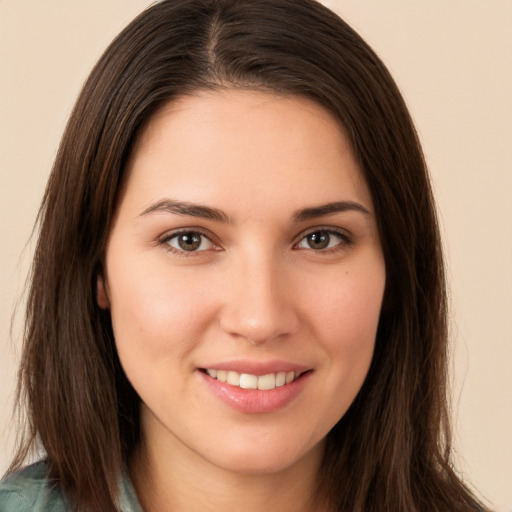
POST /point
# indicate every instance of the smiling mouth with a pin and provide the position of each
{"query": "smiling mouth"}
(249, 381)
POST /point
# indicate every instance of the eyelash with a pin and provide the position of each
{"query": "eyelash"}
(182, 252)
(344, 241)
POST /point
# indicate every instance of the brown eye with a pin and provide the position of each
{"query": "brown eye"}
(189, 241)
(322, 239)
(318, 240)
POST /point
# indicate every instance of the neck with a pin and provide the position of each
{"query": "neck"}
(168, 482)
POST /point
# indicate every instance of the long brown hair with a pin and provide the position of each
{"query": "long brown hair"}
(391, 450)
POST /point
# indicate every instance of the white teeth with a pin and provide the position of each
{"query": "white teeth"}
(248, 381)
(233, 378)
(267, 381)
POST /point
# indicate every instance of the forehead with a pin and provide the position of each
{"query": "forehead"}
(247, 147)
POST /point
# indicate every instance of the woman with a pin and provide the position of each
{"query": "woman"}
(238, 293)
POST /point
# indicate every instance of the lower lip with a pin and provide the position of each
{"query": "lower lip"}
(255, 401)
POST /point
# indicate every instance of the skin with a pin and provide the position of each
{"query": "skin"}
(255, 289)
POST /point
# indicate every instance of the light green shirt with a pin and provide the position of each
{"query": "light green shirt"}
(29, 491)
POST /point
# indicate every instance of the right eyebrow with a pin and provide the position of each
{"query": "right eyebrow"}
(187, 208)
(330, 209)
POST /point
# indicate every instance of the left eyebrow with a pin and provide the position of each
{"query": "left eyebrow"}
(186, 208)
(329, 209)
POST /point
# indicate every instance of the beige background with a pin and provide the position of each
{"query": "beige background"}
(452, 60)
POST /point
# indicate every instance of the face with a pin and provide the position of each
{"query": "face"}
(245, 277)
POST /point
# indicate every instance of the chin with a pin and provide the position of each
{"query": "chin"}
(266, 457)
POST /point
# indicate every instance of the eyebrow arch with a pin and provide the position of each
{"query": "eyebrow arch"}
(329, 209)
(186, 208)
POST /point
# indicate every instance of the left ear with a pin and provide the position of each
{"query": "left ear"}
(101, 292)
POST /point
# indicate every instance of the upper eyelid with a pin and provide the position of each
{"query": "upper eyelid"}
(164, 241)
(175, 232)
(329, 229)
(346, 239)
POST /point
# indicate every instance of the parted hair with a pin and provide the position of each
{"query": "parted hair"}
(391, 450)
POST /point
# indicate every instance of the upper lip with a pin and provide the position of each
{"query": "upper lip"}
(257, 367)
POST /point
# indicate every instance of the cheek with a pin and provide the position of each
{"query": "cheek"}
(345, 315)
(155, 313)
(347, 307)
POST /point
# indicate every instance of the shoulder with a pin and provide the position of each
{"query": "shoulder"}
(29, 490)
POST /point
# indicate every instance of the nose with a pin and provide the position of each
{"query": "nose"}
(259, 305)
